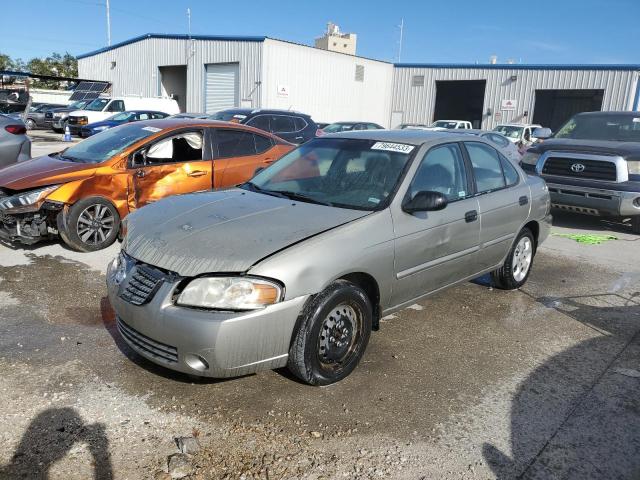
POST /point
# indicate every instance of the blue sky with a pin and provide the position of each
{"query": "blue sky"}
(530, 31)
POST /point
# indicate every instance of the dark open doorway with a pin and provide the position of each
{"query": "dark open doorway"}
(554, 107)
(173, 83)
(460, 100)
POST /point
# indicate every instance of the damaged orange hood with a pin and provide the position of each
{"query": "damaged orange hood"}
(43, 171)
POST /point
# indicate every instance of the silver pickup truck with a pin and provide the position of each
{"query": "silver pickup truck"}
(592, 165)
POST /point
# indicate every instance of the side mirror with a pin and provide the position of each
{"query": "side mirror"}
(542, 133)
(426, 201)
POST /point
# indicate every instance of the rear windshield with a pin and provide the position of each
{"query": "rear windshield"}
(620, 128)
(228, 116)
(101, 147)
(445, 124)
(338, 127)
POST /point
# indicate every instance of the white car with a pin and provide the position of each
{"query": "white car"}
(103, 107)
(450, 125)
(518, 132)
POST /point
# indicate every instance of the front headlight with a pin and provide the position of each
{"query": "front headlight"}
(530, 158)
(100, 128)
(230, 293)
(27, 199)
(634, 167)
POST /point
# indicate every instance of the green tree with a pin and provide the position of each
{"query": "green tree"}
(55, 65)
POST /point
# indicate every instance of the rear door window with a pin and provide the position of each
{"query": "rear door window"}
(282, 124)
(487, 166)
(234, 143)
(262, 143)
(510, 173)
(300, 123)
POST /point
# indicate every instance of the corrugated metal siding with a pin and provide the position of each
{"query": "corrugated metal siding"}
(323, 84)
(221, 87)
(418, 103)
(136, 68)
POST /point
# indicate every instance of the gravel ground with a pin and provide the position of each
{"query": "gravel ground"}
(471, 383)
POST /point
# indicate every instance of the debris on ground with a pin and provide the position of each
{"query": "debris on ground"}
(589, 239)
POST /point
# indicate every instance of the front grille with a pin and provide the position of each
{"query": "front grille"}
(48, 115)
(157, 350)
(593, 169)
(142, 284)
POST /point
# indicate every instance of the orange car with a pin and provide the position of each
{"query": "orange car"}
(83, 192)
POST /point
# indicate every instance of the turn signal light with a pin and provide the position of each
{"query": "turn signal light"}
(16, 129)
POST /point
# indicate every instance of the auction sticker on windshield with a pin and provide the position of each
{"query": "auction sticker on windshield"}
(393, 147)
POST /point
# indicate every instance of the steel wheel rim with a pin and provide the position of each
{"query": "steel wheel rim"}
(339, 336)
(95, 224)
(522, 256)
(30, 124)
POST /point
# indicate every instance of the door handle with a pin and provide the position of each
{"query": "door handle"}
(523, 200)
(471, 216)
(140, 173)
(196, 173)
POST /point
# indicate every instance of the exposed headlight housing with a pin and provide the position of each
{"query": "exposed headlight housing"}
(634, 167)
(230, 293)
(530, 158)
(27, 201)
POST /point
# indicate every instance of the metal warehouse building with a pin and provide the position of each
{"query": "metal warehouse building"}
(210, 73)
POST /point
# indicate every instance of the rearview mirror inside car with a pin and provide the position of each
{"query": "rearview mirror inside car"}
(425, 201)
(542, 133)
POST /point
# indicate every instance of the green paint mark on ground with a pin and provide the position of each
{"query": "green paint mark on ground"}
(588, 239)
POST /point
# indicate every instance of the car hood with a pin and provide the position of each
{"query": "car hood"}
(43, 171)
(624, 149)
(224, 231)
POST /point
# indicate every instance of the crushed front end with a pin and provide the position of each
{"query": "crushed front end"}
(27, 217)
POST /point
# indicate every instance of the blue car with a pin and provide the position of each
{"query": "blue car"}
(119, 119)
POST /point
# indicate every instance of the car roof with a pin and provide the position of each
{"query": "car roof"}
(594, 114)
(408, 136)
(175, 123)
(517, 125)
(255, 111)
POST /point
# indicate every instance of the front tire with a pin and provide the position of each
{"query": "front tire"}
(30, 124)
(515, 271)
(91, 224)
(332, 334)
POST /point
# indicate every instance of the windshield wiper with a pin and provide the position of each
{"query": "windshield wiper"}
(65, 157)
(302, 197)
(252, 186)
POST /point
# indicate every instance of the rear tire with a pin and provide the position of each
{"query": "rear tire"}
(517, 267)
(332, 334)
(91, 224)
(635, 224)
(30, 124)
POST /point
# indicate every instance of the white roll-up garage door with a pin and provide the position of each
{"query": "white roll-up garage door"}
(221, 86)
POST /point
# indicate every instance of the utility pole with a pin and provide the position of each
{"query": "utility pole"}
(401, 27)
(108, 23)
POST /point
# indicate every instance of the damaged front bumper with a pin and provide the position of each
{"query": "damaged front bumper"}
(30, 227)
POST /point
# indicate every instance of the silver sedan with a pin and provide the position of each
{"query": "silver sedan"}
(15, 145)
(297, 266)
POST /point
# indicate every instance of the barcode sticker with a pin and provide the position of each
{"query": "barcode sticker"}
(393, 147)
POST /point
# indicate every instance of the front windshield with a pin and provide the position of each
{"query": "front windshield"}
(509, 131)
(79, 105)
(101, 147)
(97, 105)
(347, 173)
(620, 128)
(338, 127)
(122, 116)
(444, 124)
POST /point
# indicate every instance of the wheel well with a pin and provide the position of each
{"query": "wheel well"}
(535, 229)
(367, 283)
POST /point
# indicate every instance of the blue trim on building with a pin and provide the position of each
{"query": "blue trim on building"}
(517, 66)
(139, 38)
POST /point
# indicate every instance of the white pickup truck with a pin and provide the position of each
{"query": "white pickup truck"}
(450, 125)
